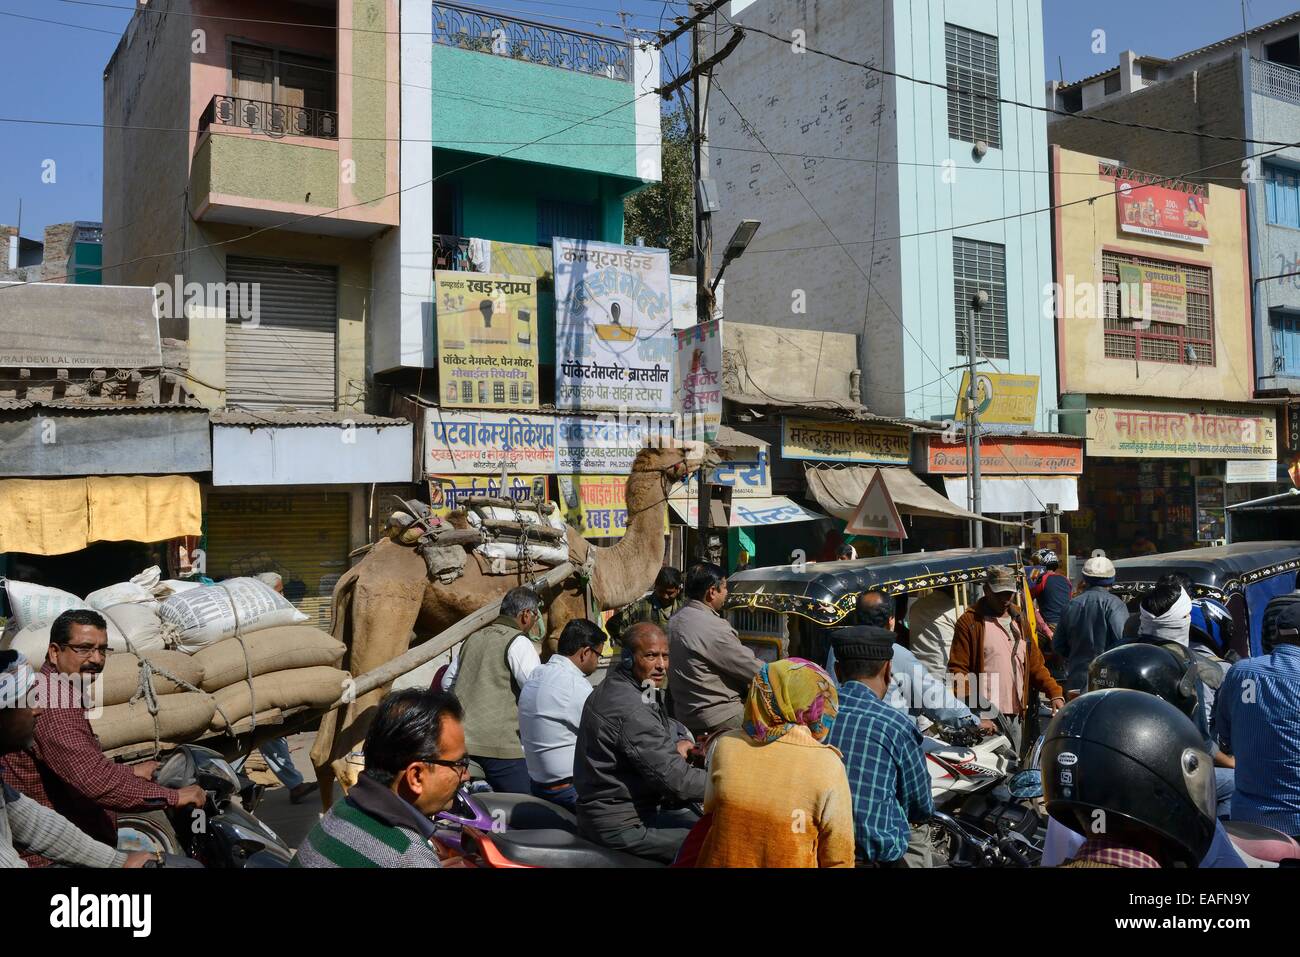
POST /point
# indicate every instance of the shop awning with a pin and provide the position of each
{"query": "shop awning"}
(1028, 493)
(840, 490)
(770, 510)
(57, 516)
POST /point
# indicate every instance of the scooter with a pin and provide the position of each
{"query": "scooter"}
(222, 834)
(484, 828)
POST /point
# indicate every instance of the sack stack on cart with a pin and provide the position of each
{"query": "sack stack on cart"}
(189, 660)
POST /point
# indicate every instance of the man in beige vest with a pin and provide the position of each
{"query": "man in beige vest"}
(494, 663)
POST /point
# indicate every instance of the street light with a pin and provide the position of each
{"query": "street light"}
(736, 246)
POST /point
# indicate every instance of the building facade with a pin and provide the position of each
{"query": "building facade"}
(1152, 306)
(885, 203)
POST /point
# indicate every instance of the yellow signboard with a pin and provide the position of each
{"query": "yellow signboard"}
(447, 492)
(1000, 398)
(487, 340)
(1197, 432)
(597, 504)
(1153, 294)
(821, 441)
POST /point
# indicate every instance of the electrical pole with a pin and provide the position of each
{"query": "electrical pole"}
(977, 304)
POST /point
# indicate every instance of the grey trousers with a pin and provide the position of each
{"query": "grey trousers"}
(657, 838)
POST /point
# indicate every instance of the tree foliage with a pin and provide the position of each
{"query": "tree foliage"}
(664, 213)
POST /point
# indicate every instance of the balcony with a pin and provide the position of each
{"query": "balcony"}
(482, 32)
(270, 119)
(1277, 80)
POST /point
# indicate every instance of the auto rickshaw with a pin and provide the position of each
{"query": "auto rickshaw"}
(1243, 576)
(785, 610)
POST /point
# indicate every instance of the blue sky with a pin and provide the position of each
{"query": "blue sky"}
(55, 72)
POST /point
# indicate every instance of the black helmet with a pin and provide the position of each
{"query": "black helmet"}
(1150, 668)
(1140, 761)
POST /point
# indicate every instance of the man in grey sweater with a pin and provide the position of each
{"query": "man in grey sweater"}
(23, 822)
(709, 669)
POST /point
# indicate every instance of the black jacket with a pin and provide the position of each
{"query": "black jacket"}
(626, 761)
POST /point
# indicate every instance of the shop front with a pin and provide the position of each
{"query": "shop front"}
(1161, 475)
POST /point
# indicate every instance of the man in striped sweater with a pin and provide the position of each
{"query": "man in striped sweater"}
(415, 761)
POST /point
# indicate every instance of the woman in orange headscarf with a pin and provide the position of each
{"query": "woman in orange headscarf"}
(778, 796)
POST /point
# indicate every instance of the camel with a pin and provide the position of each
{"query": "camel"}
(388, 595)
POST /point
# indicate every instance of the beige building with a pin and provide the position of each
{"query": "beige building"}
(1153, 323)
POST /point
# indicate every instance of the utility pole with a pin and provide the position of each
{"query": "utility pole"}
(698, 76)
(977, 303)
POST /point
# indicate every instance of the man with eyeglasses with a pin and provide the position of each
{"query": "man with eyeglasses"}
(415, 761)
(65, 768)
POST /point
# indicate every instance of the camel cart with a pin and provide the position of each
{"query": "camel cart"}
(248, 734)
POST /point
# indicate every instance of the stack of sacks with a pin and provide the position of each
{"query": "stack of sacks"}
(198, 617)
(292, 666)
(34, 609)
(182, 715)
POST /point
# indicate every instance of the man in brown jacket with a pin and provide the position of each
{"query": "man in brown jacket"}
(709, 670)
(989, 645)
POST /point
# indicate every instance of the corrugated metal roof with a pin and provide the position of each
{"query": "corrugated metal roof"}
(732, 438)
(303, 417)
(1115, 69)
(1236, 37)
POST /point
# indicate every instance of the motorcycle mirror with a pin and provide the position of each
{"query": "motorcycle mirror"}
(1026, 785)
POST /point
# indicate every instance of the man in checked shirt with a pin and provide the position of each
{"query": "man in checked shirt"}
(65, 769)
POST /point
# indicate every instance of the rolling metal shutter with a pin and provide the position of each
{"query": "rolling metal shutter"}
(301, 536)
(287, 359)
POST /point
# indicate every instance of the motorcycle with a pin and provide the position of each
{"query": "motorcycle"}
(484, 828)
(987, 811)
(222, 834)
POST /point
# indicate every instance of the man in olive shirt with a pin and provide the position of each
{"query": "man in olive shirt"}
(709, 670)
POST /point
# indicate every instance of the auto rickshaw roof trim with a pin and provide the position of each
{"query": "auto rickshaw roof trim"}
(1214, 572)
(826, 592)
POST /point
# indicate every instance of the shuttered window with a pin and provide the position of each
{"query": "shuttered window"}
(1190, 344)
(1285, 327)
(301, 537)
(976, 266)
(287, 359)
(1282, 195)
(972, 71)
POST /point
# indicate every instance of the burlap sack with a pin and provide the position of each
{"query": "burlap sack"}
(310, 687)
(121, 676)
(282, 648)
(139, 622)
(181, 717)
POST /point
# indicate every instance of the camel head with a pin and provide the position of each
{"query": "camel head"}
(674, 459)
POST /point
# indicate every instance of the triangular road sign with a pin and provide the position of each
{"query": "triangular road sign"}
(876, 514)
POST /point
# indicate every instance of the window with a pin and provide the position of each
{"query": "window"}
(1189, 344)
(976, 266)
(1150, 72)
(972, 70)
(1285, 327)
(1282, 195)
(1112, 84)
(276, 76)
(1284, 51)
(569, 220)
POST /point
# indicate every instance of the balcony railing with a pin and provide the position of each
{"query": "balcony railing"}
(471, 29)
(272, 119)
(1277, 80)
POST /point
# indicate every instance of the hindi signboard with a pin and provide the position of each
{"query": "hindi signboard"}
(487, 340)
(1005, 455)
(613, 336)
(1000, 398)
(606, 444)
(698, 379)
(1212, 432)
(482, 442)
(448, 492)
(595, 504)
(1150, 205)
(1153, 294)
(821, 441)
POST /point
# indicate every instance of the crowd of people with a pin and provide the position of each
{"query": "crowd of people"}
(692, 750)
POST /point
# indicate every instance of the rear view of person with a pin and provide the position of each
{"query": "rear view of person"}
(778, 794)
(1093, 622)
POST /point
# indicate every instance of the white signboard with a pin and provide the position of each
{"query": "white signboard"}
(698, 378)
(606, 444)
(775, 510)
(482, 442)
(613, 327)
(1250, 470)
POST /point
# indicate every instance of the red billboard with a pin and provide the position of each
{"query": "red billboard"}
(1150, 205)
